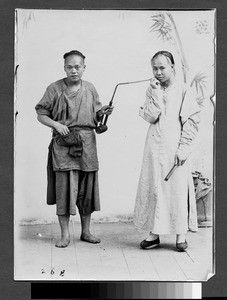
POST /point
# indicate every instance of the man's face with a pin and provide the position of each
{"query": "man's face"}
(74, 68)
(162, 68)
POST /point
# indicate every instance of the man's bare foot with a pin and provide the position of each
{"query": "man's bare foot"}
(63, 243)
(90, 238)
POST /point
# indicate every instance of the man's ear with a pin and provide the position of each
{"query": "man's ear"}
(173, 69)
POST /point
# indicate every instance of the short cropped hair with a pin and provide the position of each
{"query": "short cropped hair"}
(166, 54)
(73, 52)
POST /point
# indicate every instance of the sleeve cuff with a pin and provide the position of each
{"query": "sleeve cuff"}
(42, 111)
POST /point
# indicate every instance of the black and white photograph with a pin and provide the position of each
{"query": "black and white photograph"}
(121, 105)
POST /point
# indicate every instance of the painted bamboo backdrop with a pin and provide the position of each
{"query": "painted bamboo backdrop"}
(118, 46)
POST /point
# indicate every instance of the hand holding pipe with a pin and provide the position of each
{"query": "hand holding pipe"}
(177, 164)
(171, 171)
(102, 127)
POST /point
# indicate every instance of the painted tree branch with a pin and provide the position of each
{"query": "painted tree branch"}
(183, 58)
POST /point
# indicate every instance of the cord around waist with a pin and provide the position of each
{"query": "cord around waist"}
(72, 128)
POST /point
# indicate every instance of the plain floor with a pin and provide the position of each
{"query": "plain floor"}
(117, 258)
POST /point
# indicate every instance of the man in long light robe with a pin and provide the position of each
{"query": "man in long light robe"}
(167, 207)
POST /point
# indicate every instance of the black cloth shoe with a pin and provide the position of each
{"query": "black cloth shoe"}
(181, 247)
(149, 244)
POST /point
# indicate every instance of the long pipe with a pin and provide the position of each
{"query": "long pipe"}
(122, 83)
(103, 127)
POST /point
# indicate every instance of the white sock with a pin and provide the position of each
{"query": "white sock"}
(181, 238)
(151, 237)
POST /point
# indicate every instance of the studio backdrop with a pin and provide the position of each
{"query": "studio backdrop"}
(118, 45)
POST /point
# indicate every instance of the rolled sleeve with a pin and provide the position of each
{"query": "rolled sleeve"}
(189, 134)
(97, 105)
(45, 105)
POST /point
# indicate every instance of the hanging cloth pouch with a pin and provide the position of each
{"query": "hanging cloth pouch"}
(72, 140)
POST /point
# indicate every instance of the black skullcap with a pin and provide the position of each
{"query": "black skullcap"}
(166, 54)
(73, 52)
